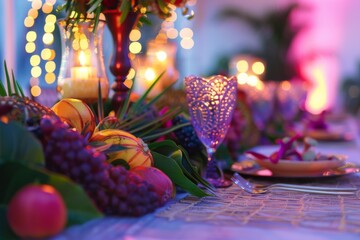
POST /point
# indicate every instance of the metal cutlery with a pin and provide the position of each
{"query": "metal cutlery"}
(260, 189)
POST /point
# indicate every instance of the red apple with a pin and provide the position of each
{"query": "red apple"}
(163, 186)
(37, 211)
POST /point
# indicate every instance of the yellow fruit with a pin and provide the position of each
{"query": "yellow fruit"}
(137, 152)
(77, 114)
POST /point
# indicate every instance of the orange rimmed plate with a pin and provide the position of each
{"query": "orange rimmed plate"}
(249, 167)
(299, 168)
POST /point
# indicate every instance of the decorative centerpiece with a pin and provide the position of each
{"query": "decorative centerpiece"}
(124, 164)
(121, 17)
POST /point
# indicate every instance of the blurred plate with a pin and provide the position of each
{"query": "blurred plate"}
(299, 168)
(329, 135)
(251, 167)
(336, 131)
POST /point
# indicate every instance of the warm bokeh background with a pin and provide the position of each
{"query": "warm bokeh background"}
(325, 52)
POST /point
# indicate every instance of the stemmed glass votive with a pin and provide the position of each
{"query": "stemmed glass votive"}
(211, 104)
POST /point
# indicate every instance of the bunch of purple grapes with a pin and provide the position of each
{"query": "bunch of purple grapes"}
(186, 136)
(115, 190)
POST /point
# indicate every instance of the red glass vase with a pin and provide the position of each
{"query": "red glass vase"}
(120, 62)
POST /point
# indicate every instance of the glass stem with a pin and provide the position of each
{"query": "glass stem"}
(212, 170)
(210, 153)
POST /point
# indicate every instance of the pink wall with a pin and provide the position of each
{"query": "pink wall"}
(329, 49)
(317, 51)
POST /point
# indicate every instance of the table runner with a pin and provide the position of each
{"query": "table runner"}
(233, 206)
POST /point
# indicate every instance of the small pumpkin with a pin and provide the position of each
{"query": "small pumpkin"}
(137, 153)
(77, 114)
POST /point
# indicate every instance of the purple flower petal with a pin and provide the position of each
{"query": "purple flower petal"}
(257, 155)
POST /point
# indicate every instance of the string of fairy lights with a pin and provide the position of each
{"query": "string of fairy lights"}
(42, 55)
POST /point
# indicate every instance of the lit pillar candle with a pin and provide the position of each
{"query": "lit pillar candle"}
(83, 81)
(83, 73)
(145, 78)
(82, 65)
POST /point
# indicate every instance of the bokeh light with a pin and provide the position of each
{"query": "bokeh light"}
(161, 56)
(33, 13)
(47, 8)
(253, 80)
(186, 33)
(135, 47)
(285, 85)
(36, 4)
(35, 91)
(258, 68)
(242, 78)
(187, 43)
(48, 38)
(31, 36)
(34, 81)
(135, 35)
(29, 22)
(242, 66)
(36, 71)
(131, 73)
(49, 27)
(51, 18)
(46, 54)
(50, 66)
(150, 74)
(172, 33)
(35, 60)
(50, 78)
(30, 47)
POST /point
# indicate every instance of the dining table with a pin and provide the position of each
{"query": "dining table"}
(235, 214)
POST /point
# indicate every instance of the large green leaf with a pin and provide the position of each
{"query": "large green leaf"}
(80, 207)
(175, 173)
(14, 175)
(5, 232)
(177, 153)
(17, 144)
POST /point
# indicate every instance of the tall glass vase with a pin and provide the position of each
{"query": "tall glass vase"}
(82, 65)
(120, 62)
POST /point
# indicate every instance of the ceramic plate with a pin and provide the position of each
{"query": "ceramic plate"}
(323, 135)
(298, 168)
(342, 131)
(252, 168)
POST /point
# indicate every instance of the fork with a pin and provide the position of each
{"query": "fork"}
(256, 189)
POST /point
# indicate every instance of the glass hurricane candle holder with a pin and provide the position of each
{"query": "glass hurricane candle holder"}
(82, 65)
(146, 74)
(162, 55)
(211, 104)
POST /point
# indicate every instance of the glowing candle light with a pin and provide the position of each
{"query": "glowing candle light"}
(82, 68)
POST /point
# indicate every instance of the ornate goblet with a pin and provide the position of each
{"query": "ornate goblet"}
(211, 104)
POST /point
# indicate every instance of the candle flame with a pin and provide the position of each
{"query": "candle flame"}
(286, 86)
(161, 56)
(150, 74)
(82, 58)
